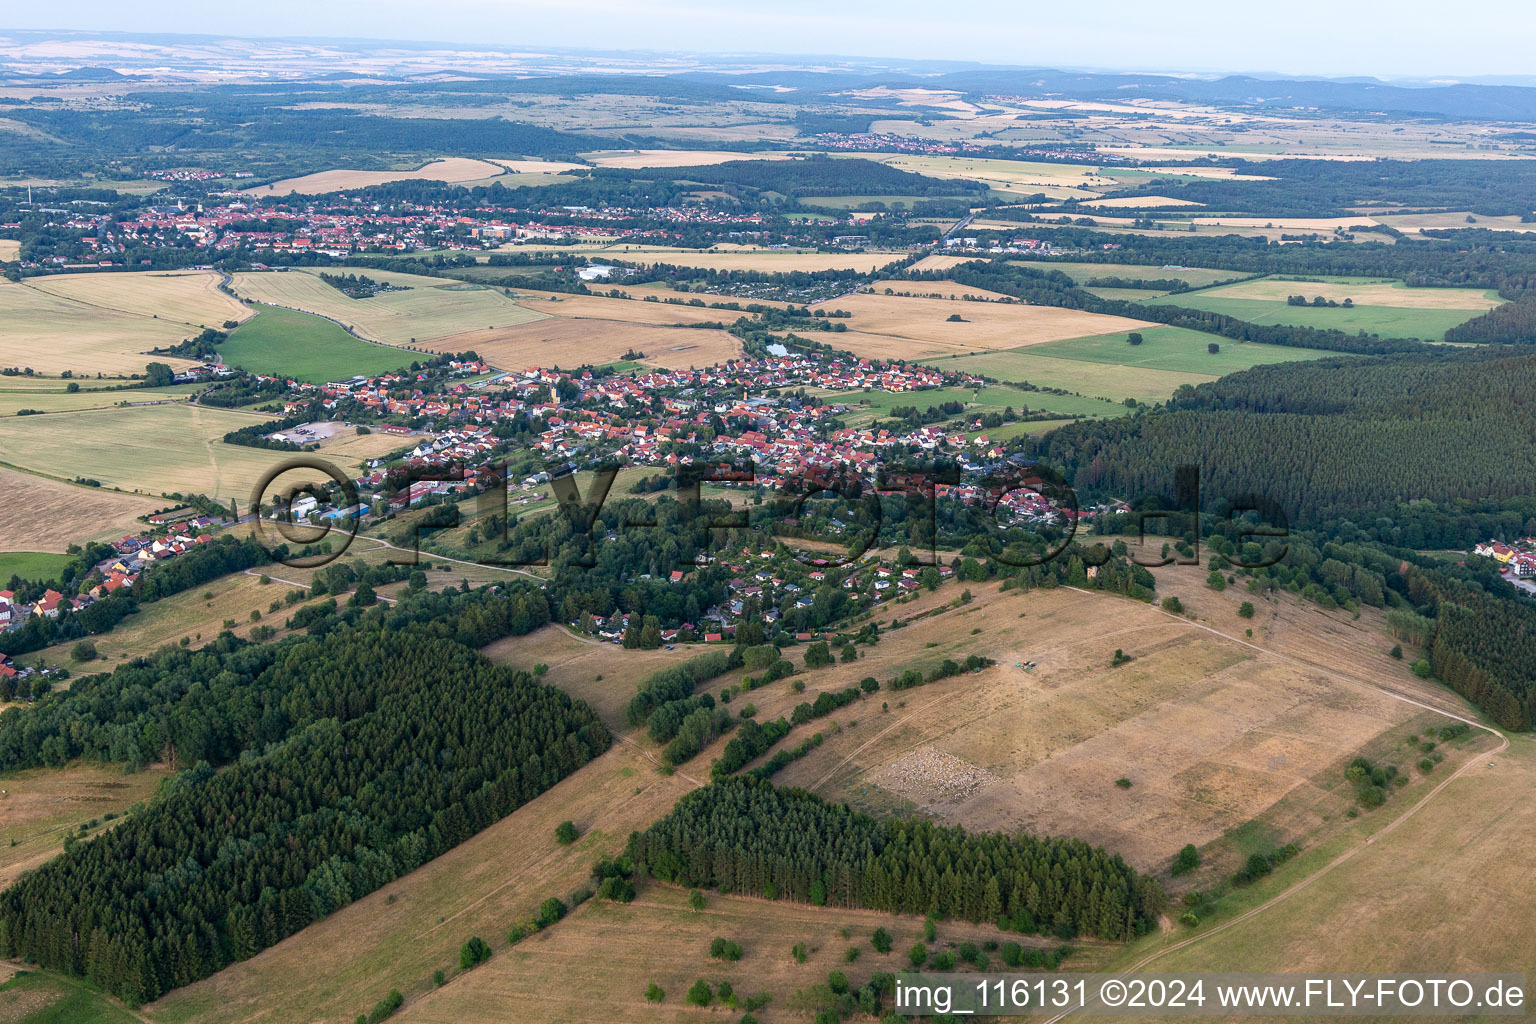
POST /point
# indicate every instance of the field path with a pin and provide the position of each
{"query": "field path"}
(1346, 855)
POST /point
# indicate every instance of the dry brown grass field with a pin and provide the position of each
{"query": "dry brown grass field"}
(919, 328)
(52, 333)
(39, 514)
(602, 674)
(939, 261)
(431, 307)
(1436, 890)
(198, 615)
(1212, 733)
(10, 249)
(40, 806)
(570, 343)
(559, 977)
(934, 289)
(397, 936)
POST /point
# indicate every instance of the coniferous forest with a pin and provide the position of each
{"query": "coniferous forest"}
(362, 753)
(744, 835)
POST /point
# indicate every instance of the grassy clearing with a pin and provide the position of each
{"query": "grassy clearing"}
(1175, 348)
(310, 348)
(40, 806)
(197, 615)
(427, 308)
(32, 565)
(42, 998)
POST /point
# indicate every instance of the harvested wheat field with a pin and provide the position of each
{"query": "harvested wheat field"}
(935, 290)
(635, 311)
(768, 261)
(939, 261)
(52, 333)
(39, 514)
(1137, 202)
(921, 328)
(425, 308)
(632, 158)
(10, 249)
(156, 450)
(192, 297)
(396, 937)
(451, 169)
(1211, 732)
(571, 343)
(40, 806)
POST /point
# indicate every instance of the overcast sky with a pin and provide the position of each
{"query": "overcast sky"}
(1405, 38)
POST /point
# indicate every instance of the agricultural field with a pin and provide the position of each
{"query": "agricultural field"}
(453, 170)
(50, 330)
(307, 347)
(191, 298)
(1076, 376)
(154, 450)
(633, 158)
(10, 250)
(921, 328)
(40, 806)
(1425, 313)
(767, 261)
(1175, 348)
(40, 513)
(54, 398)
(427, 309)
(1014, 177)
(1081, 273)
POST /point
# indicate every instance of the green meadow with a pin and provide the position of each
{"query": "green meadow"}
(306, 347)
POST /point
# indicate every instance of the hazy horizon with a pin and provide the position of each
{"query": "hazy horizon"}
(1312, 38)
